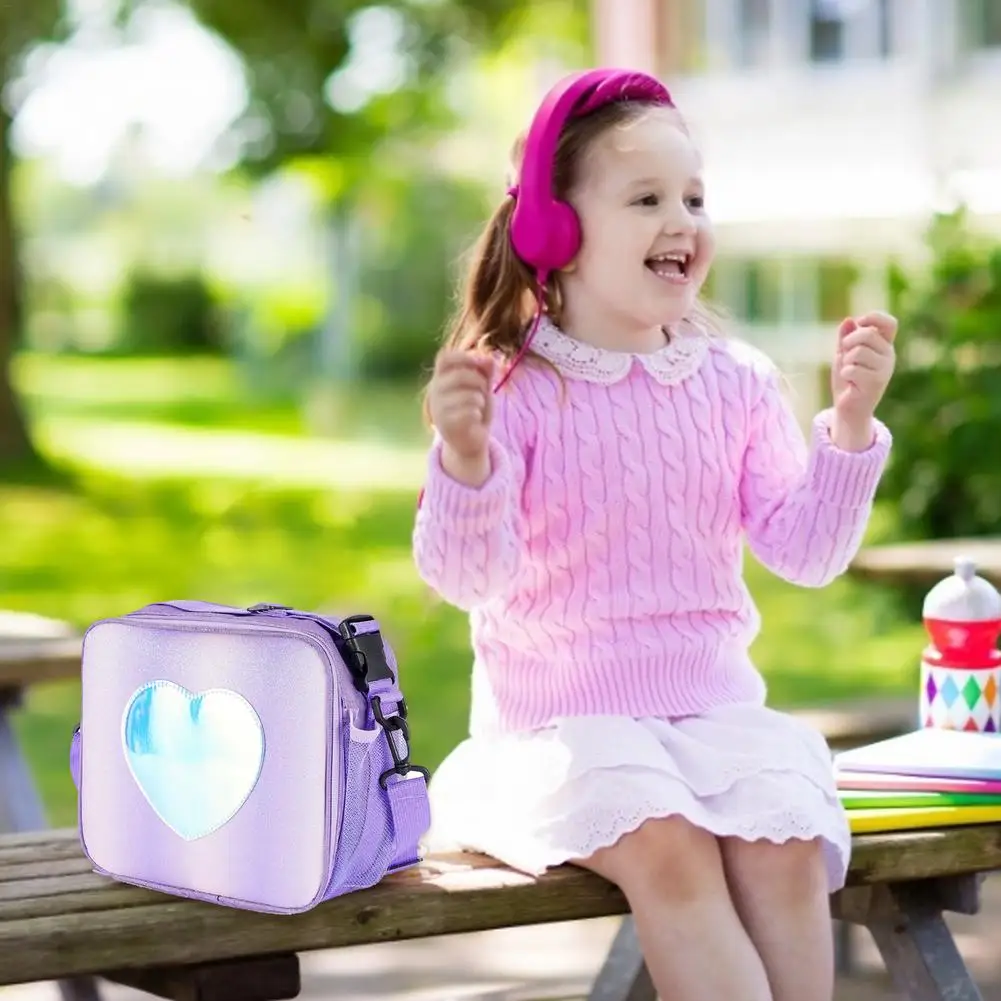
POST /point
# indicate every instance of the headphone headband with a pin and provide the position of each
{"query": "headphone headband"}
(545, 232)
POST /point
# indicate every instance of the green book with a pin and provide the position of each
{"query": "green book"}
(876, 799)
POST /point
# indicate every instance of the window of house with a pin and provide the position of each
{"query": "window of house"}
(835, 281)
(992, 23)
(754, 31)
(885, 28)
(827, 31)
(750, 289)
(680, 33)
(830, 21)
(981, 22)
(775, 291)
(763, 291)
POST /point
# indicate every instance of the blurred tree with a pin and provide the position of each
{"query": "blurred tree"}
(23, 23)
(333, 78)
(419, 226)
(170, 314)
(351, 84)
(944, 402)
(328, 79)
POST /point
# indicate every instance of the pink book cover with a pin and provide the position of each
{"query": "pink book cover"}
(916, 783)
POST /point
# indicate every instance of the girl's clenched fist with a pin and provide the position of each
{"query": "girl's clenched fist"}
(460, 403)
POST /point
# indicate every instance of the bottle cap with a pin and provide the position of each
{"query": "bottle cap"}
(963, 597)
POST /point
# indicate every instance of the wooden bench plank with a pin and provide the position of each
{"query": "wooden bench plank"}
(30, 662)
(179, 931)
(34, 648)
(926, 563)
(74, 922)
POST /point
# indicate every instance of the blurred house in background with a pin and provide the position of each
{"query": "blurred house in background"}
(832, 130)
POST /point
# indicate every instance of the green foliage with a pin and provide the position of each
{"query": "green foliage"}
(418, 228)
(944, 403)
(170, 314)
(294, 50)
(23, 23)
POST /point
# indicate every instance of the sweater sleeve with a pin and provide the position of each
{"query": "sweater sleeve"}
(805, 509)
(467, 541)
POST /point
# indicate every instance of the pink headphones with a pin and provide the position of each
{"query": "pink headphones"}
(545, 232)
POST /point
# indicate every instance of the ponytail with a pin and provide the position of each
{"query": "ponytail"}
(499, 298)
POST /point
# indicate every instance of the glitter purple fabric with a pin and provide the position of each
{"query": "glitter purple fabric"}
(252, 757)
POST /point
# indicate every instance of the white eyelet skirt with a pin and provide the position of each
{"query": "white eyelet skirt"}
(538, 799)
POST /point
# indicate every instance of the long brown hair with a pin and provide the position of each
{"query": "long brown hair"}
(498, 298)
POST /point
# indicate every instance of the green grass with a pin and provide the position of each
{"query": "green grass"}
(206, 392)
(114, 542)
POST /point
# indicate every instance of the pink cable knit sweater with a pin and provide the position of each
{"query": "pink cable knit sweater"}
(601, 561)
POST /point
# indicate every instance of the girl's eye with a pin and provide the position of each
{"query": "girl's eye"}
(696, 202)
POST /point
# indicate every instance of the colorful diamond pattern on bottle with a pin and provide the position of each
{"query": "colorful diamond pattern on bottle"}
(956, 699)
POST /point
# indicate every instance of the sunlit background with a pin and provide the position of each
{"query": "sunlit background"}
(229, 236)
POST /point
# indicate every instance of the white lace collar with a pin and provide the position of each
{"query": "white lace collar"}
(669, 365)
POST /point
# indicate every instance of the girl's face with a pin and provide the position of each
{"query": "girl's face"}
(647, 241)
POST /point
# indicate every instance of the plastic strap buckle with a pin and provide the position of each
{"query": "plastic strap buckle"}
(367, 661)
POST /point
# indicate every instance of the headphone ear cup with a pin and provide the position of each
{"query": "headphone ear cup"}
(548, 239)
(564, 234)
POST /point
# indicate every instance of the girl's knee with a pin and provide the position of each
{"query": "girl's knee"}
(793, 869)
(668, 856)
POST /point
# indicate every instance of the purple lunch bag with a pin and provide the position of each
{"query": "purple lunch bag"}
(252, 757)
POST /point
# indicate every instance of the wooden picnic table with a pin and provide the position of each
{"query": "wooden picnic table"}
(33, 649)
(58, 919)
(925, 563)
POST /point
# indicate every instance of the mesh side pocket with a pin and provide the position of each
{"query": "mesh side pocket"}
(365, 844)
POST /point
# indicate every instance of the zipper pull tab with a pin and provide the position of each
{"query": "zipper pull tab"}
(264, 606)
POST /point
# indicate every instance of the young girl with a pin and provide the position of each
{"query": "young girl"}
(591, 515)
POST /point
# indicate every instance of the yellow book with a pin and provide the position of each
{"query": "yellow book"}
(914, 818)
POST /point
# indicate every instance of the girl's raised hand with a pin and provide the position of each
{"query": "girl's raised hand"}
(863, 365)
(460, 402)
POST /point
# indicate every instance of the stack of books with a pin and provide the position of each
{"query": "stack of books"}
(929, 778)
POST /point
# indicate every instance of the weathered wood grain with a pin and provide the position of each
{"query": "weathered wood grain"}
(62, 925)
(39, 847)
(59, 919)
(182, 931)
(869, 904)
(918, 948)
(912, 855)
